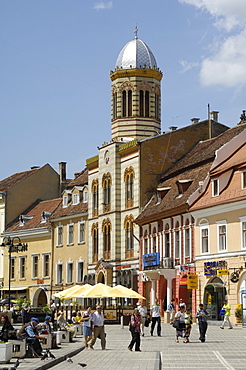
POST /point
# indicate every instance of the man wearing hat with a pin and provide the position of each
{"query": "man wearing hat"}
(47, 329)
(29, 331)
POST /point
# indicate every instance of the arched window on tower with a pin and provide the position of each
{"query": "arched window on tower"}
(124, 103)
(115, 105)
(94, 234)
(144, 103)
(106, 229)
(157, 106)
(129, 113)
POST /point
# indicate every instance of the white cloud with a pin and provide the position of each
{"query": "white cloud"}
(227, 13)
(103, 5)
(187, 65)
(226, 65)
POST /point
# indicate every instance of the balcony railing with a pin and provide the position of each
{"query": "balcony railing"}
(165, 263)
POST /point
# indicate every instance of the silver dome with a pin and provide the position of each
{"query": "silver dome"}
(136, 54)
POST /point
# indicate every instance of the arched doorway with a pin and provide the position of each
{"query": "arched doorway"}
(214, 295)
(40, 298)
(101, 278)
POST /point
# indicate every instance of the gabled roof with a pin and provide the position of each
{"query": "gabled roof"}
(173, 202)
(36, 215)
(80, 180)
(204, 151)
(70, 210)
(17, 177)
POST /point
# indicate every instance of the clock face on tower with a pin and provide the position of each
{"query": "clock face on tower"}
(106, 156)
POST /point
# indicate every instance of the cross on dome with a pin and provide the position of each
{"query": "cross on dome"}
(136, 32)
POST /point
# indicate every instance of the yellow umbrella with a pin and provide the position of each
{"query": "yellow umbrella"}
(96, 291)
(76, 293)
(65, 294)
(121, 291)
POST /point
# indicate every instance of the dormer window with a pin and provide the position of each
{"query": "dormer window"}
(65, 201)
(244, 179)
(85, 195)
(161, 192)
(75, 198)
(45, 216)
(24, 219)
(215, 187)
(183, 185)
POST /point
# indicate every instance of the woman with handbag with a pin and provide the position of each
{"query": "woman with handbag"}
(179, 322)
(134, 328)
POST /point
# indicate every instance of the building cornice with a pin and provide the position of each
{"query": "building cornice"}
(136, 72)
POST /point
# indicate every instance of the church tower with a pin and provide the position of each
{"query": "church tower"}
(135, 93)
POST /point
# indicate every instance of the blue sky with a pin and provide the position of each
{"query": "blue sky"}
(56, 56)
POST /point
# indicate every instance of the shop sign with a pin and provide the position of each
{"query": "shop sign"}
(222, 272)
(40, 281)
(192, 281)
(152, 259)
(183, 281)
(211, 268)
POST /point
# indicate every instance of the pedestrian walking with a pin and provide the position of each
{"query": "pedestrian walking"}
(227, 309)
(98, 327)
(182, 304)
(188, 324)
(155, 318)
(180, 328)
(134, 328)
(87, 330)
(143, 313)
(171, 309)
(202, 316)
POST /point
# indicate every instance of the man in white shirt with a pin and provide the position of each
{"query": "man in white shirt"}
(156, 318)
(143, 312)
(98, 327)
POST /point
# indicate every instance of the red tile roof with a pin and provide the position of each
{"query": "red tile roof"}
(36, 213)
(70, 210)
(81, 179)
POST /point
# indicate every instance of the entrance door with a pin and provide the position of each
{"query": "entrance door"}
(214, 296)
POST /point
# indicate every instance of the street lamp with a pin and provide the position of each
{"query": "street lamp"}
(13, 245)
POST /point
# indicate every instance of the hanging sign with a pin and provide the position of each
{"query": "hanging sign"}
(222, 272)
(192, 281)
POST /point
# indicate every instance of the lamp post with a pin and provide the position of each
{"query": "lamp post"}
(14, 245)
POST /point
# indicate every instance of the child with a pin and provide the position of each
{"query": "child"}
(188, 323)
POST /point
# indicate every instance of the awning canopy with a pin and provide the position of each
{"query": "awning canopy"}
(15, 288)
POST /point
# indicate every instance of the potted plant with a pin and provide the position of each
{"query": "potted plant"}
(238, 313)
(46, 309)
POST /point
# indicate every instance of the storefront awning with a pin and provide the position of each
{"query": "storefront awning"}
(15, 288)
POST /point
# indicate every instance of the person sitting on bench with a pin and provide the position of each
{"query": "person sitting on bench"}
(7, 331)
(29, 331)
(63, 325)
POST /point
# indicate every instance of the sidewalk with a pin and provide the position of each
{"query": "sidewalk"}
(223, 349)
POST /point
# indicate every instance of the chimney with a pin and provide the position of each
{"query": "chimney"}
(172, 128)
(214, 116)
(194, 120)
(63, 175)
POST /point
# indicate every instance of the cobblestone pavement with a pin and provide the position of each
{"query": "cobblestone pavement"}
(223, 349)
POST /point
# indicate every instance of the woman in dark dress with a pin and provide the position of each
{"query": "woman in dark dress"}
(7, 331)
(135, 330)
